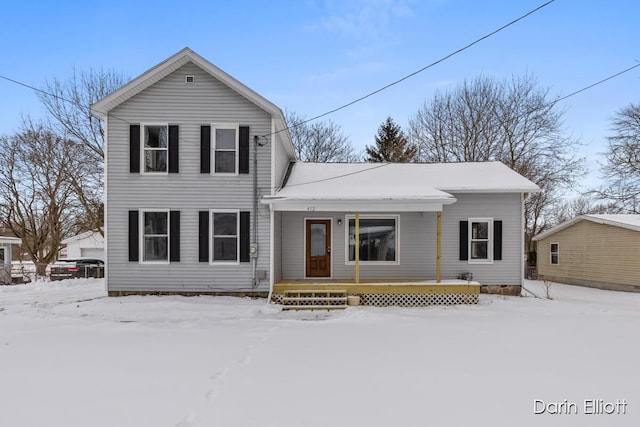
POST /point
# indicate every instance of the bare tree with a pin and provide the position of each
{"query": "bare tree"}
(391, 145)
(512, 121)
(68, 102)
(36, 194)
(622, 167)
(582, 205)
(319, 141)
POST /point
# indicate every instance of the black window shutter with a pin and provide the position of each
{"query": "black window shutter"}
(244, 150)
(134, 148)
(245, 223)
(205, 149)
(173, 149)
(133, 236)
(174, 236)
(203, 236)
(497, 240)
(464, 240)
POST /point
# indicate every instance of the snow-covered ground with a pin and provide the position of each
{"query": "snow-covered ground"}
(70, 356)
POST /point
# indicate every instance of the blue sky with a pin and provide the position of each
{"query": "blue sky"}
(312, 56)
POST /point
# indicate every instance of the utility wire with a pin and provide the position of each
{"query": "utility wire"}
(444, 58)
(76, 104)
(596, 83)
(377, 166)
(349, 103)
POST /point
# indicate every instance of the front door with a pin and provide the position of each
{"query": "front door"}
(318, 248)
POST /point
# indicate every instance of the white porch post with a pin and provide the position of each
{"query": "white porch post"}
(439, 247)
(357, 247)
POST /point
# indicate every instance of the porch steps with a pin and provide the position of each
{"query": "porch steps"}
(314, 300)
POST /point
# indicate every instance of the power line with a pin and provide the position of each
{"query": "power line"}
(596, 83)
(76, 104)
(444, 58)
(349, 103)
(377, 166)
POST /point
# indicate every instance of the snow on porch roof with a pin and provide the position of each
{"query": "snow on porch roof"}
(400, 181)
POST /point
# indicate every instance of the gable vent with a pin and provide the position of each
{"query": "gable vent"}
(190, 79)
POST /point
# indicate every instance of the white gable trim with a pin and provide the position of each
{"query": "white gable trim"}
(166, 67)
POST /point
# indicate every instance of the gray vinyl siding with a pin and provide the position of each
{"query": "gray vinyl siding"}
(501, 207)
(170, 100)
(417, 242)
(281, 160)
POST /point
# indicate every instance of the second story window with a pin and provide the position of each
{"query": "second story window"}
(225, 149)
(156, 148)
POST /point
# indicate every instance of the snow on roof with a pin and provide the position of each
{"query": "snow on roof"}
(629, 221)
(11, 240)
(399, 181)
(80, 236)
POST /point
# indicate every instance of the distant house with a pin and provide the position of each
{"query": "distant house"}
(600, 251)
(6, 257)
(89, 244)
(204, 195)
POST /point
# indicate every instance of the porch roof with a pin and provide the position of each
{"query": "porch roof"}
(390, 186)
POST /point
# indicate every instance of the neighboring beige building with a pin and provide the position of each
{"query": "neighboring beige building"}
(599, 251)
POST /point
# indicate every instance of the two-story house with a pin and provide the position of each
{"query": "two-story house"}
(204, 195)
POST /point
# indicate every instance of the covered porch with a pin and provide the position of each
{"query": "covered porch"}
(362, 234)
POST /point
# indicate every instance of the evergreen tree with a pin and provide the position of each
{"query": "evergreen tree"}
(391, 145)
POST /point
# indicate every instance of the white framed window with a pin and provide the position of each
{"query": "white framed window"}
(480, 240)
(154, 244)
(155, 147)
(224, 232)
(379, 239)
(225, 141)
(554, 253)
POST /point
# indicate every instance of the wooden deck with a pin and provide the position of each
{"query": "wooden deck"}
(381, 286)
(386, 292)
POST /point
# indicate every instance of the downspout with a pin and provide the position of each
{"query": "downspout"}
(523, 197)
(254, 244)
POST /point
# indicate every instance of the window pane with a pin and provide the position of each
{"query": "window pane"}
(377, 239)
(225, 224)
(155, 223)
(554, 258)
(554, 247)
(480, 230)
(479, 250)
(318, 239)
(155, 248)
(155, 137)
(226, 139)
(225, 249)
(225, 161)
(155, 160)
